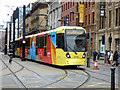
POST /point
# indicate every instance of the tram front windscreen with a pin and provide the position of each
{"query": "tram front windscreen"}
(75, 41)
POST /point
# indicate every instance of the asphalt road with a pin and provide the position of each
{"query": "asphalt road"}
(27, 74)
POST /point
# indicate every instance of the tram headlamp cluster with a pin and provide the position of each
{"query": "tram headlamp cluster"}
(68, 55)
(84, 55)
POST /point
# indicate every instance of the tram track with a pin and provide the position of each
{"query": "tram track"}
(87, 71)
(23, 67)
(88, 75)
(11, 72)
(65, 75)
(15, 75)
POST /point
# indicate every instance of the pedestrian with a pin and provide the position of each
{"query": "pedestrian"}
(115, 58)
(98, 55)
(106, 57)
(109, 54)
(111, 57)
(10, 56)
(94, 55)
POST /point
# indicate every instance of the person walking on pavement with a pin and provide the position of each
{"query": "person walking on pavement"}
(94, 55)
(10, 56)
(115, 58)
(106, 57)
(98, 55)
(119, 56)
(111, 57)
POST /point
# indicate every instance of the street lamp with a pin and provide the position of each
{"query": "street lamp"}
(6, 36)
(110, 40)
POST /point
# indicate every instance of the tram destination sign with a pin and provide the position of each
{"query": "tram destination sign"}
(75, 31)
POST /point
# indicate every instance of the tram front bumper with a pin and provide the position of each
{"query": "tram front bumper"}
(76, 62)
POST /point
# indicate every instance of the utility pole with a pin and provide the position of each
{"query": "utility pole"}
(23, 42)
(110, 40)
(10, 36)
(6, 41)
(89, 45)
(14, 34)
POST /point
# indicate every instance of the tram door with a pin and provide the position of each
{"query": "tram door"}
(45, 45)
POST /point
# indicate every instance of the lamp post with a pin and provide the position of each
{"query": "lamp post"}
(110, 40)
(6, 37)
(23, 42)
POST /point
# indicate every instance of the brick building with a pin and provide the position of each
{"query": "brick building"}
(66, 8)
(90, 21)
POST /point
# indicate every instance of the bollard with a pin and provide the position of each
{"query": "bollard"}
(112, 78)
(88, 62)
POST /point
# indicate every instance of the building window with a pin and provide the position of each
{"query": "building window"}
(73, 3)
(109, 18)
(86, 20)
(70, 4)
(93, 2)
(70, 17)
(93, 17)
(117, 17)
(66, 6)
(62, 8)
(86, 5)
(102, 22)
(89, 18)
(89, 3)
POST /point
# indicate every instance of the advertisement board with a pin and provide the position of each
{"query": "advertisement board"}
(81, 13)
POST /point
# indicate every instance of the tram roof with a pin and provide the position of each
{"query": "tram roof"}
(54, 30)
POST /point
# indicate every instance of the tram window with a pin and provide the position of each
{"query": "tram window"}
(18, 44)
(60, 41)
(27, 44)
(40, 42)
(37, 42)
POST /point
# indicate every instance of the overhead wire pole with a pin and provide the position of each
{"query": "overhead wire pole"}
(14, 34)
(6, 41)
(89, 46)
(23, 42)
(10, 36)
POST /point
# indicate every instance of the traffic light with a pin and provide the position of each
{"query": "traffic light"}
(103, 39)
(66, 21)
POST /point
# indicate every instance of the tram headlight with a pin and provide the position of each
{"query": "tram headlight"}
(84, 55)
(68, 55)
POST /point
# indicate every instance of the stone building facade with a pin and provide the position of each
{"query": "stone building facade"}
(109, 24)
(54, 14)
(36, 19)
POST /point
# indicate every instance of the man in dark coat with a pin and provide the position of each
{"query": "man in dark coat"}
(94, 55)
(115, 58)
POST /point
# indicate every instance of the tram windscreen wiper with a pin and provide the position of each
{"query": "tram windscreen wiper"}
(71, 49)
